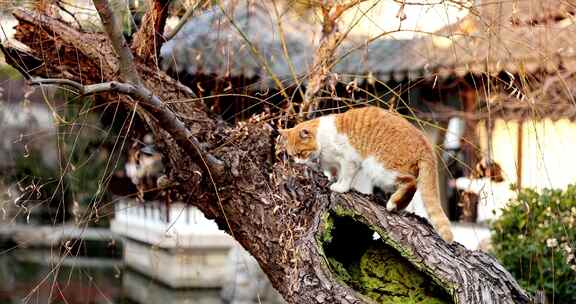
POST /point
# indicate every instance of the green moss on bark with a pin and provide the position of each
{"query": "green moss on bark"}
(388, 278)
(372, 267)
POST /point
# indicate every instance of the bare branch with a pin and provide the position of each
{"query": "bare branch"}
(156, 108)
(339, 9)
(128, 70)
(151, 103)
(324, 57)
(150, 36)
(191, 10)
(255, 52)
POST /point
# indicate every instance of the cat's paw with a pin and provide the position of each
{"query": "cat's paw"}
(329, 175)
(339, 187)
(391, 206)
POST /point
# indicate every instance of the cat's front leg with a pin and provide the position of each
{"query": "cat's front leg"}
(329, 168)
(330, 171)
(348, 170)
(329, 175)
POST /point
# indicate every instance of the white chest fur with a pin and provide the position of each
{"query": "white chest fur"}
(361, 174)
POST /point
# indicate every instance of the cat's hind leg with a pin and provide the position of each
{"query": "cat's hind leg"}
(405, 189)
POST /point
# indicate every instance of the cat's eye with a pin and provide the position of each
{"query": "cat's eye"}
(304, 134)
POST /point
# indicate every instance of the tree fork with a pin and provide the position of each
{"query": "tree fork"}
(279, 213)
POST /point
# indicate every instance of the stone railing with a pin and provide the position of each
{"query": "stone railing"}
(174, 244)
(176, 225)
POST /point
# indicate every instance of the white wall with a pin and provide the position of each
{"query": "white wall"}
(548, 155)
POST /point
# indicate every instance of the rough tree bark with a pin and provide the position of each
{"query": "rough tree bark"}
(306, 239)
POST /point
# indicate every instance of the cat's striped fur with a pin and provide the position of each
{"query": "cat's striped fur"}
(371, 147)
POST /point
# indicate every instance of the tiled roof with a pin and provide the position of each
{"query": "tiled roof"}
(211, 44)
(512, 36)
(516, 36)
(554, 98)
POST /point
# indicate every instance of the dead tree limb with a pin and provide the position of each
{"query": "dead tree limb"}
(314, 245)
(153, 105)
(325, 54)
(150, 36)
(113, 28)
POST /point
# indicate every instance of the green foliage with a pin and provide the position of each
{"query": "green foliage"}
(8, 71)
(535, 240)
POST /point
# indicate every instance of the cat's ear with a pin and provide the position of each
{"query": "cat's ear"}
(283, 132)
(304, 134)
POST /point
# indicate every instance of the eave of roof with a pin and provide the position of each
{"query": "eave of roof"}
(534, 35)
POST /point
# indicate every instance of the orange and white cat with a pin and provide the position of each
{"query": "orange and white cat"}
(371, 147)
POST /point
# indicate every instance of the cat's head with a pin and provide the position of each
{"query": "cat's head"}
(300, 141)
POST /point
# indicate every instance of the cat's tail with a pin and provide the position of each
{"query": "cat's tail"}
(428, 186)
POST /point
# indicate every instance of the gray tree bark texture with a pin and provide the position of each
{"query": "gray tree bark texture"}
(309, 241)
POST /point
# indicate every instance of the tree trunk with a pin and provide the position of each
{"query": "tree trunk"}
(314, 245)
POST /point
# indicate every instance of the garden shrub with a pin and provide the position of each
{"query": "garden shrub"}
(535, 239)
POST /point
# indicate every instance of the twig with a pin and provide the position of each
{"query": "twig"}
(155, 107)
(324, 56)
(256, 54)
(191, 10)
(339, 9)
(64, 9)
(128, 70)
(282, 36)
